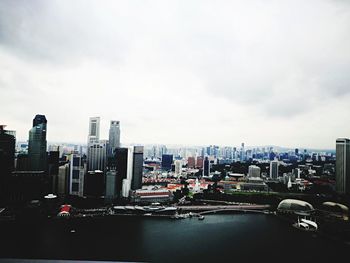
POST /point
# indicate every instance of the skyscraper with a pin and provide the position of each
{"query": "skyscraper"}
(96, 156)
(37, 144)
(7, 151)
(342, 185)
(114, 136)
(167, 160)
(94, 130)
(137, 169)
(206, 168)
(76, 175)
(124, 169)
(274, 169)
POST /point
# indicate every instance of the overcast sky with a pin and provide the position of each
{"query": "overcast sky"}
(180, 72)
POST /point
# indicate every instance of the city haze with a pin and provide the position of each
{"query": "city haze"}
(179, 72)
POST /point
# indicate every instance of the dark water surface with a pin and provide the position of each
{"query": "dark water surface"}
(217, 238)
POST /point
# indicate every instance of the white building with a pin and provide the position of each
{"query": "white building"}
(178, 167)
(94, 130)
(254, 171)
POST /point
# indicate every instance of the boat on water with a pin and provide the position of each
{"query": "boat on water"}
(306, 224)
(201, 217)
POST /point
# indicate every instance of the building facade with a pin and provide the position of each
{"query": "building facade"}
(343, 166)
(94, 130)
(37, 144)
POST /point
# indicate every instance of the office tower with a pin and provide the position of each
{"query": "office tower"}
(178, 167)
(94, 184)
(94, 130)
(167, 160)
(111, 190)
(342, 184)
(254, 171)
(137, 169)
(114, 137)
(124, 169)
(206, 164)
(53, 162)
(7, 151)
(242, 155)
(76, 175)
(296, 151)
(191, 162)
(63, 179)
(199, 162)
(37, 144)
(274, 169)
(96, 156)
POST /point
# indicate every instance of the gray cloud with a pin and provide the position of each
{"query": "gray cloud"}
(247, 63)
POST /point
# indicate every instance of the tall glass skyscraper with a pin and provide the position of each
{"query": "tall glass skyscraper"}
(114, 137)
(37, 144)
(342, 166)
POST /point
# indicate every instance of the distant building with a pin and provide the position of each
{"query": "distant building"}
(94, 130)
(191, 162)
(114, 137)
(167, 160)
(97, 156)
(178, 167)
(76, 175)
(343, 166)
(38, 144)
(254, 171)
(199, 162)
(151, 196)
(206, 168)
(274, 169)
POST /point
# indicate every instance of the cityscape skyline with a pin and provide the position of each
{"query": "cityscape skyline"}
(194, 73)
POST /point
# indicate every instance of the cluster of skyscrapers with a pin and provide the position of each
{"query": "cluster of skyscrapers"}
(107, 170)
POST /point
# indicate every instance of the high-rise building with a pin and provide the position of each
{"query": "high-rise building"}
(76, 175)
(63, 179)
(167, 160)
(342, 184)
(242, 155)
(254, 171)
(94, 184)
(191, 162)
(111, 190)
(94, 130)
(178, 167)
(124, 169)
(274, 169)
(199, 162)
(114, 137)
(37, 144)
(7, 151)
(7, 160)
(97, 156)
(137, 168)
(206, 168)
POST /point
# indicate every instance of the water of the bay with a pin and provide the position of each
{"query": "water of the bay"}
(227, 238)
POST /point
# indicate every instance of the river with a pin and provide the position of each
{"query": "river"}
(217, 238)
